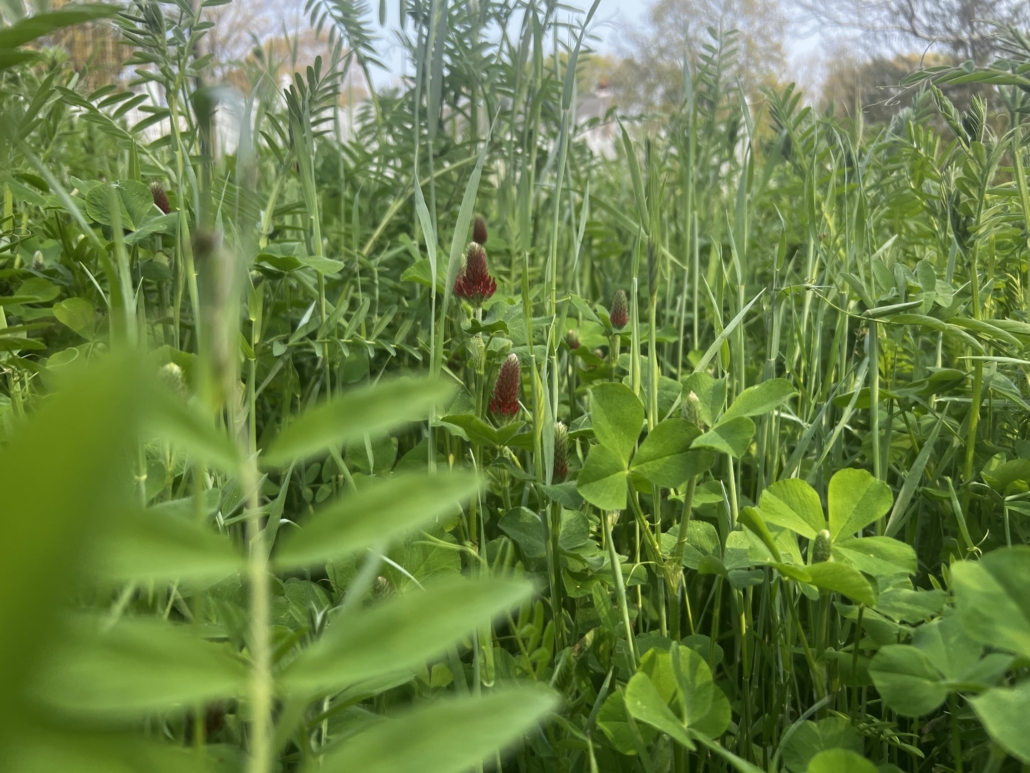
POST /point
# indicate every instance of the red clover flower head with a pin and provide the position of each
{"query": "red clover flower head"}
(474, 282)
(504, 403)
(620, 310)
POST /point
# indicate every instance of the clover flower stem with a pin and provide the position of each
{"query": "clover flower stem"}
(823, 631)
(200, 514)
(978, 378)
(186, 268)
(434, 370)
(634, 354)
(555, 386)
(650, 542)
(260, 692)
(716, 610)
(997, 756)
(552, 533)
(571, 382)
(956, 738)
(636, 561)
(746, 625)
(652, 360)
(676, 561)
(482, 653)
(473, 516)
(695, 252)
(744, 738)
(1008, 528)
(818, 678)
(663, 622)
(255, 340)
(479, 381)
(874, 397)
(854, 663)
(619, 582)
(552, 263)
(614, 344)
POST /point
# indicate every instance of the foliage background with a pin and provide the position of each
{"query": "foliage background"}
(764, 511)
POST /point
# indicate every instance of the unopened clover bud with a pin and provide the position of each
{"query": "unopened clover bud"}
(822, 547)
(479, 232)
(613, 518)
(206, 244)
(560, 470)
(477, 353)
(214, 718)
(171, 374)
(160, 197)
(572, 340)
(619, 314)
(692, 410)
(382, 588)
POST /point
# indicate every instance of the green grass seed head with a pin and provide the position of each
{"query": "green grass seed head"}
(561, 453)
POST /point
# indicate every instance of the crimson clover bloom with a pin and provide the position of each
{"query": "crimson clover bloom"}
(619, 314)
(505, 400)
(474, 282)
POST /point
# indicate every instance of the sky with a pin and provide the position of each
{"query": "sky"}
(612, 19)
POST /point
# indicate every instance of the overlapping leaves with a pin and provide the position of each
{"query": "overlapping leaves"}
(112, 671)
(856, 500)
(665, 458)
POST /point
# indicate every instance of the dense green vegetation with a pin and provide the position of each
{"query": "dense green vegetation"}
(708, 454)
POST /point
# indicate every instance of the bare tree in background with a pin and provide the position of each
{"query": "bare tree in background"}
(853, 83)
(964, 29)
(651, 76)
(237, 26)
